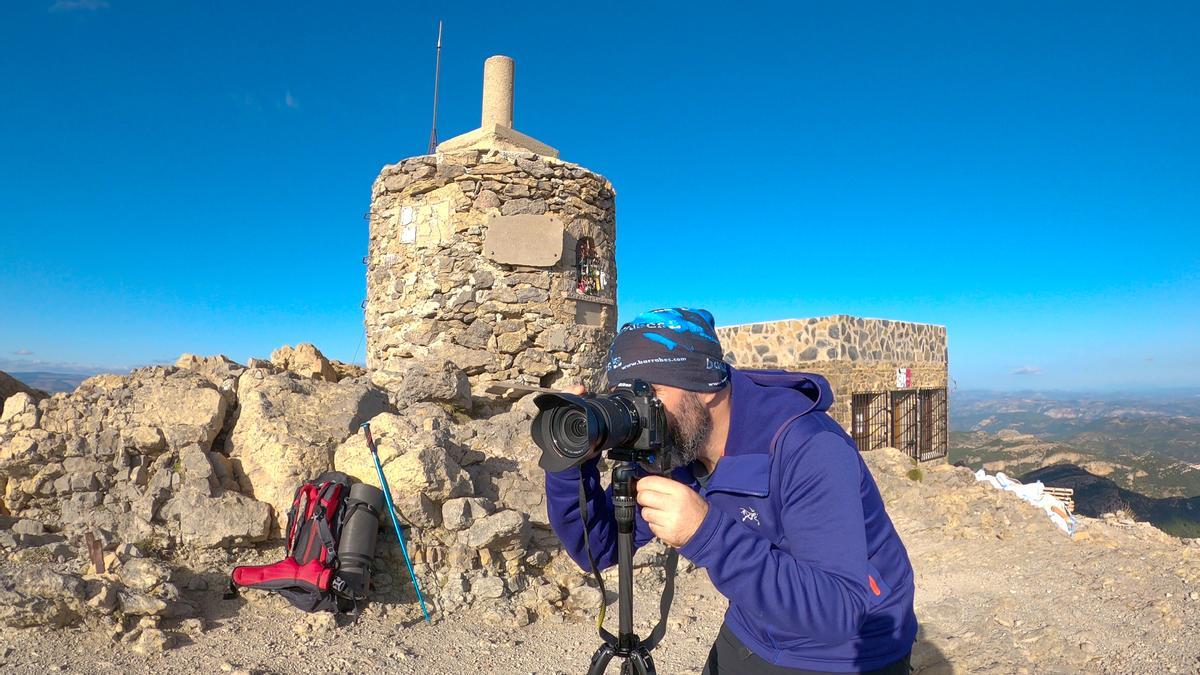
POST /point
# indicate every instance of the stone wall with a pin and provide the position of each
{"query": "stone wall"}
(472, 258)
(855, 354)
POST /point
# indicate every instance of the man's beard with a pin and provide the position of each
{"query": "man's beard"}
(687, 432)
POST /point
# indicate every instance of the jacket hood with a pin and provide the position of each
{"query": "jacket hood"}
(762, 400)
(814, 386)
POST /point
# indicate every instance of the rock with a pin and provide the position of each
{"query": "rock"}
(472, 361)
(315, 622)
(143, 574)
(419, 510)
(486, 200)
(501, 530)
(152, 641)
(584, 599)
(462, 512)
(9, 386)
(184, 405)
(104, 598)
(536, 362)
(227, 520)
(511, 342)
(37, 596)
(305, 360)
(346, 370)
(220, 370)
(415, 381)
(141, 603)
(287, 430)
(29, 527)
(413, 452)
(146, 440)
(194, 463)
(518, 206)
(488, 587)
(18, 412)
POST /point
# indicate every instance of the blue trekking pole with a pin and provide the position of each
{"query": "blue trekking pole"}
(387, 494)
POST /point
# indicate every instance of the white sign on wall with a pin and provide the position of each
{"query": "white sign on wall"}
(408, 231)
(903, 378)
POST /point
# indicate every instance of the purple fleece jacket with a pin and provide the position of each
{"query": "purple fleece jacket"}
(796, 535)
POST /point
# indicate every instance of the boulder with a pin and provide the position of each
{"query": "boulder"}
(413, 449)
(287, 429)
(461, 513)
(305, 360)
(20, 412)
(410, 381)
(219, 369)
(224, 521)
(10, 385)
(346, 370)
(488, 587)
(419, 460)
(38, 596)
(185, 406)
(501, 530)
(143, 574)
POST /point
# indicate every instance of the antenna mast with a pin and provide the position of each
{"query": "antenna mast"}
(437, 76)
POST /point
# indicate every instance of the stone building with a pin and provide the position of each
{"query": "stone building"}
(889, 377)
(494, 254)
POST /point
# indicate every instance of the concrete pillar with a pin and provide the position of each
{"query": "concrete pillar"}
(498, 92)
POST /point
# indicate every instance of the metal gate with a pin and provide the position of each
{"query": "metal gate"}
(933, 424)
(913, 421)
(869, 421)
(906, 422)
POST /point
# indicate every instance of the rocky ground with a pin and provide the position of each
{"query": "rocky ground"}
(1000, 590)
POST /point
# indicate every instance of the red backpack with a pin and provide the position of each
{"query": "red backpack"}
(312, 576)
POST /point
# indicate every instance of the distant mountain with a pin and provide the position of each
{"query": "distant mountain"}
(1138, 453)
(51, 382)
(1017, 454)
(1095, 496)
(1164, 425)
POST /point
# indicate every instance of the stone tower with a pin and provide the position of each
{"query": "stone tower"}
(494, 254)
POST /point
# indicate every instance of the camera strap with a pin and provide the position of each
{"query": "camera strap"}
(664, 602)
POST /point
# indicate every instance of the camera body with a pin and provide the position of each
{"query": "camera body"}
(630, 422)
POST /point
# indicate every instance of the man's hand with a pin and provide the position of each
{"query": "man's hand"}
(673, 510)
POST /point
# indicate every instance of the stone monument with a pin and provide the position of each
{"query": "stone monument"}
(494, 254)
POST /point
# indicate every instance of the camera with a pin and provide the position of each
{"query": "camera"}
(629, 422)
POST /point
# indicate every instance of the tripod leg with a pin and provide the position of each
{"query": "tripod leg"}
(600, 659)
(638, 663)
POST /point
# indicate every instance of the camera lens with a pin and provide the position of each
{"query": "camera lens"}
(569, 429)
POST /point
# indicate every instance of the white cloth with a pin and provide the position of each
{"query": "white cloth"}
(1034, 493)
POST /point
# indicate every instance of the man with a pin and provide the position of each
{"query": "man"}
(770, 497)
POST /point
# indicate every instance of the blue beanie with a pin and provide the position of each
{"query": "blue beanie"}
(675, 347)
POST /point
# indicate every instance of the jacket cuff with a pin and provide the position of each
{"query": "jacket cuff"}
(697, 548)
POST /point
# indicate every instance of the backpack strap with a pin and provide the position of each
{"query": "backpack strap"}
(302, 508)
(329, 509)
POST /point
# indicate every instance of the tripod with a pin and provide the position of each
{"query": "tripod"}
(625, 644)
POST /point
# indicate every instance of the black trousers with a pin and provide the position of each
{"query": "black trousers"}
(729, 656)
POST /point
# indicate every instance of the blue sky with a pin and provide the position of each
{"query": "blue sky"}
(192, 176)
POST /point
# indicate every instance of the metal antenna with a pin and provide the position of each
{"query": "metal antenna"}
(437, 76)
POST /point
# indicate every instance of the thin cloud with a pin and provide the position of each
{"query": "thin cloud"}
(23, 352)
(78, 5)
(290, 101)
(1027, 370)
